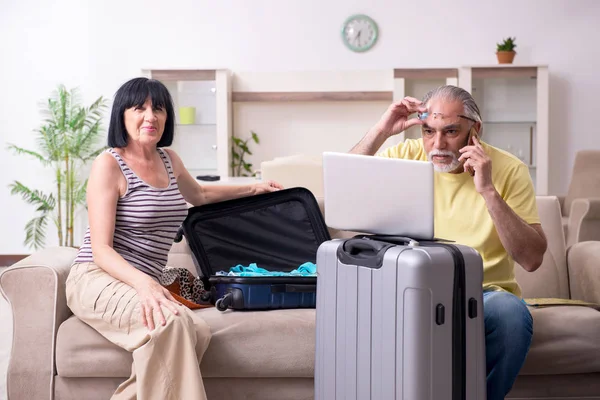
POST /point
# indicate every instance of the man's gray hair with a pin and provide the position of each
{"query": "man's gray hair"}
(453, 93)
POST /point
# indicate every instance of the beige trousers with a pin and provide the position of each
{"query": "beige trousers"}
(165, 360)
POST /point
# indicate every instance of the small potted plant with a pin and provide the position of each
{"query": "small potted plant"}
(239, 149)
(506, 51)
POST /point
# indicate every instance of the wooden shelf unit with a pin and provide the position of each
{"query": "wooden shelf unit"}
(244, 97)
(377, 87)
(223, 120)
(532, 83)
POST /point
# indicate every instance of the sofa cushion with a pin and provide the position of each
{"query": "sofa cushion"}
(277, 343)
(551, 278)
(280, 343)
(565, 341)
(82, 353)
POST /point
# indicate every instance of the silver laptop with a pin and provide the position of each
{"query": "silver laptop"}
(378, 195)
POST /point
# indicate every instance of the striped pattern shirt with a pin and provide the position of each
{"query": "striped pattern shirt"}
(146, 223)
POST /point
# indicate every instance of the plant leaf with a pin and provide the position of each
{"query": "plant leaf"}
(79, 193)
(35, 232)
(46, 202)
(20, 150)
(94, 154)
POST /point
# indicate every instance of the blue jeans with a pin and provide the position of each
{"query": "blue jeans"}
(508, 332)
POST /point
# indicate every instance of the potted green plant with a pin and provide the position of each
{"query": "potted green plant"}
(506, 51)
(239, 149)
(67, 140)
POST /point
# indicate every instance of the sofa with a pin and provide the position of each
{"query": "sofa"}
(270, 354)
(581, 205)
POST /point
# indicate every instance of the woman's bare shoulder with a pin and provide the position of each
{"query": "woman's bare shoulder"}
(106, 163)
(106, 169)
(172, 154)
(175, 160)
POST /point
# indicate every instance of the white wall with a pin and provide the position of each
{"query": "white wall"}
(284, 129)
(97, 45)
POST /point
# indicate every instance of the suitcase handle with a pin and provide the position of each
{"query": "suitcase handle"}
(293, 288)
(403, 240)
(400, 240)
(363, 252)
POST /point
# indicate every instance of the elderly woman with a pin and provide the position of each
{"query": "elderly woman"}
(136, 196)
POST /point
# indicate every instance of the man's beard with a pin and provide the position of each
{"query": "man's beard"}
(454, 164)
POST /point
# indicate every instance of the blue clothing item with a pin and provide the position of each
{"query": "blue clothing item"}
(508, 332)
(306, 269)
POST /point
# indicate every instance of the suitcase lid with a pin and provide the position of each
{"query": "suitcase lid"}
(279, 231)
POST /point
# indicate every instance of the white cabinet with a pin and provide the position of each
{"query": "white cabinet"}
(202, 103)
(513, 101)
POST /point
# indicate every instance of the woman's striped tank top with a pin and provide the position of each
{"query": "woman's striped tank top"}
(146, 223)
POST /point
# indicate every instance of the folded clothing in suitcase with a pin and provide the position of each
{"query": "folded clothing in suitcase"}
(278, 231)
(399, 320)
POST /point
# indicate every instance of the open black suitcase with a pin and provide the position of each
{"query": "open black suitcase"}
(279, 231)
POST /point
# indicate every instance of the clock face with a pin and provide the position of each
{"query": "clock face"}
(359, 33)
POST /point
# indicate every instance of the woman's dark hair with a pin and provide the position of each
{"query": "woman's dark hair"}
(134, 93)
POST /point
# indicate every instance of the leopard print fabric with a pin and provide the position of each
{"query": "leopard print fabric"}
(190, 287)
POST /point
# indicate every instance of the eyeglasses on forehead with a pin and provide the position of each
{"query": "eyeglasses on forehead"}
(436, 115)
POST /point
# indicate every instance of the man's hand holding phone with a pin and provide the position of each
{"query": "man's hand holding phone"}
(477, 163)
(472, 134)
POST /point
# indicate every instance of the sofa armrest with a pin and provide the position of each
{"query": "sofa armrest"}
(561, 201)
(584, 221)
(584, 272)
(35, 290)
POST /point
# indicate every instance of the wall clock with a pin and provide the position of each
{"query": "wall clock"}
(359, 33)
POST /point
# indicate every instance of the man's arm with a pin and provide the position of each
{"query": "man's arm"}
(393, 121)
(370, 143)
(525, 243)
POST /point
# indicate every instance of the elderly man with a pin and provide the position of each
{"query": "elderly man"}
(484, 198)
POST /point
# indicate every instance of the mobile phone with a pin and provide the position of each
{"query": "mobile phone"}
(472, 134)
(208, 178)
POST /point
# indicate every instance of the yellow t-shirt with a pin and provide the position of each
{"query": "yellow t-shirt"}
(461, 214)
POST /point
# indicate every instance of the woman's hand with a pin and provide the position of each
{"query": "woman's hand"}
(152, 297)
(265, 187)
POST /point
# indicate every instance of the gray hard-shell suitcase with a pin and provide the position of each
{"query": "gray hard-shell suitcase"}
(399, 321)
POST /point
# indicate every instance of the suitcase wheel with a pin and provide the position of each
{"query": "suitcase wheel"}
(205, 296)
(220, 306)
(224, 302)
